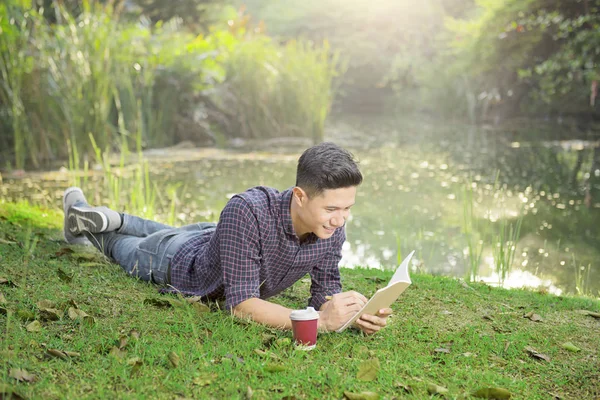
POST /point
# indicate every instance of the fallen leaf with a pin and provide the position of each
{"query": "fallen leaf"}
(442, 350)
(404, 388)
(274, 368)
(45, 304)
(173, 359)
(50, 314)
(4, 281)
(134, 334)
(75, 313)
(268, 339)
(534, 353)
(204, 380)
(2, 299)
(283, 341)
(63, 251)
(21, 375)
(123, 340)
(84, 256)
(249, 393)
(35, 326)
(63, 355)
(117, 353)
(136, 364)
(570, 346)
(25, 315)
(469, 354)
(361, 396)
(593, 314)
(160, 303)
(63, 276)
(6, 392)
(367, 371)
(436, 389)
(492, 393)
(532, 316)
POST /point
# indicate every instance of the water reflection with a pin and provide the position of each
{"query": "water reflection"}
(416, 177)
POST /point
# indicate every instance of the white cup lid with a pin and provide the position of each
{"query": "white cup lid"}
(304, 315)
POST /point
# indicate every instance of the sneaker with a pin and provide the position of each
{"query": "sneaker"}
(71, 196)
(81, 217)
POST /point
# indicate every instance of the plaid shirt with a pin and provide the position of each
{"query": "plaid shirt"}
(254, 252)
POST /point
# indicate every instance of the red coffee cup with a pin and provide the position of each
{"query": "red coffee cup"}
(304, 327)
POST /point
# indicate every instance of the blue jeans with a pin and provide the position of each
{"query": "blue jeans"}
(144, 248)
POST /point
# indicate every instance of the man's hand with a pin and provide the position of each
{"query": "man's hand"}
(370, 324)
(340, 309)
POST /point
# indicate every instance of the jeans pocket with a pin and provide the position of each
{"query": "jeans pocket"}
(153, 243)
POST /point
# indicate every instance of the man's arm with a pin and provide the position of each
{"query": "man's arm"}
(264, 312)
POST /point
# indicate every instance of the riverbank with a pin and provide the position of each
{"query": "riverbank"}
(74, 326)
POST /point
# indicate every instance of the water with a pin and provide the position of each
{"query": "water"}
(416, 174)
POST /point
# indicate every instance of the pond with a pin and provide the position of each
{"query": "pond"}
(456, 194)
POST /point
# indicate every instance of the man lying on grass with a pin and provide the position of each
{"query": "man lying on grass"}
(264, 242)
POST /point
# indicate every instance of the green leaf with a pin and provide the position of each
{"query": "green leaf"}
(367, 371)
(492, 393)
(436, 389)
(274, 368)
(570, 346)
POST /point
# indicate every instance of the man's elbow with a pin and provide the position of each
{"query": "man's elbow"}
(244, 309)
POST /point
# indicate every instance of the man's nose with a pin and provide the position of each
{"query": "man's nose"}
(338, 220)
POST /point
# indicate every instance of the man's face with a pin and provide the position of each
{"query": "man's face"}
(323, 214)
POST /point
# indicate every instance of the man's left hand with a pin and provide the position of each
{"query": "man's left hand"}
(370, 324)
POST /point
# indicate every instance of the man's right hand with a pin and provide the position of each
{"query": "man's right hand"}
(342, 306)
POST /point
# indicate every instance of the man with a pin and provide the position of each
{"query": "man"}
(264, 242)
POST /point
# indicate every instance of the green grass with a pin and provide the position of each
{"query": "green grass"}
(221, 357)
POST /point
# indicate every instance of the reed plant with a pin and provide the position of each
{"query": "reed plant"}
(279, 92)
(582, 278)
(94, 73)
(470, 228)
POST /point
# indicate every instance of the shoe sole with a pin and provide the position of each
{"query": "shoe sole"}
(84, 219)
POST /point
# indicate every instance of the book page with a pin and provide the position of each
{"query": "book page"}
(384, 297)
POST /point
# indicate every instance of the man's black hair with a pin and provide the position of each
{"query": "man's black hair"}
(326, 166)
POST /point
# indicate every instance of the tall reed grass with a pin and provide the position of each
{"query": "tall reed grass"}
(501, 235)
(113, 78)
(272, 91)
(91, 74)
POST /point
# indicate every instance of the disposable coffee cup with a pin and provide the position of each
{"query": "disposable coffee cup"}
(304, 327)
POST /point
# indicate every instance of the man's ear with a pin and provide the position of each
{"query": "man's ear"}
(300, 195)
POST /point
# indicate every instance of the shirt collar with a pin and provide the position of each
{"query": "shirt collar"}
(286, 217)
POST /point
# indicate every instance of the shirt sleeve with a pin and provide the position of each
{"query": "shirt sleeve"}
(239, 250)
(325, 277)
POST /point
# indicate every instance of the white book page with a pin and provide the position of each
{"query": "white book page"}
(384, 297)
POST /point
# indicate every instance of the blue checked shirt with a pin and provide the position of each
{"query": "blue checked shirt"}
(254, 252)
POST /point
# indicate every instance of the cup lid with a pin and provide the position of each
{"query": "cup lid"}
(304, 315)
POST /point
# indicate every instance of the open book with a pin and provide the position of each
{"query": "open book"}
(384, 297)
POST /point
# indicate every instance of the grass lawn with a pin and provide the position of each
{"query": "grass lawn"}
(74, 326)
